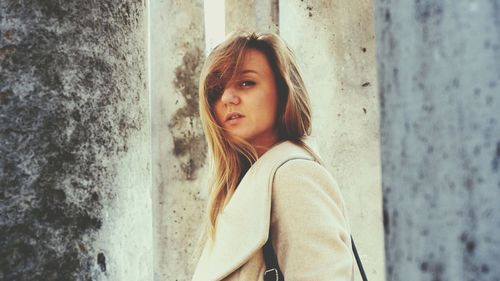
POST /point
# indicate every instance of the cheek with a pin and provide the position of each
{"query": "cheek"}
(273, 107)
(268, 113)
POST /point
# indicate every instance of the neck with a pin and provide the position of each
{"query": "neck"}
(263, 146)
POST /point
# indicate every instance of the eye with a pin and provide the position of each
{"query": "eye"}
(247, 83)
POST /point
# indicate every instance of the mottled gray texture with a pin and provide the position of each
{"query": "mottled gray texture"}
(252, 15)
(266, 15)
(178, 143)
(190, 147)
(439, 76)
(240, 15)
(72, 77)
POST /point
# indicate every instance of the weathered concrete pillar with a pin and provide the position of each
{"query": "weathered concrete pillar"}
(179, 148)
(256, 15)
(334, 43)
(240, 15)
(439, 75)
(74, 141)
(267, 15)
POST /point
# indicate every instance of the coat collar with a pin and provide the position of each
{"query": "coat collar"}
(243, 225)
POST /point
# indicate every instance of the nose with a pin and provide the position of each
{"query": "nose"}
(229, 96)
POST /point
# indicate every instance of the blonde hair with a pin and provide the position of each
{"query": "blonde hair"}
(231, 157)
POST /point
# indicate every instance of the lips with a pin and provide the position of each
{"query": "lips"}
(233, 116)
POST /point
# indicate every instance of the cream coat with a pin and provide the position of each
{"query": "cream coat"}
(295, 197)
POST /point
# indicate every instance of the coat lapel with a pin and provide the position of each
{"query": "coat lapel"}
(243, 226)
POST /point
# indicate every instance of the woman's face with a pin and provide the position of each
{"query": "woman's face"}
(247, 107)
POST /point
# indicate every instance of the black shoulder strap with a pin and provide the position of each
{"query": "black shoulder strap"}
(273, 272)
(358, 261)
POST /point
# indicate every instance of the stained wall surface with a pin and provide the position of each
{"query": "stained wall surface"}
(75, 173)
(252, 15)
(267, 15)
(178, 144)
(335, 47)
(439, 88)
(240, 15)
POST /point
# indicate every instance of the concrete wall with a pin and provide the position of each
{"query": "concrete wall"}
(240, 15)
(74, 141)
(334, 43)
(267, 15)
(179, 148)
(439, 88)
(259, 15)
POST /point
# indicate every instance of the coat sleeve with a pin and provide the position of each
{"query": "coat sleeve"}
(309, 226)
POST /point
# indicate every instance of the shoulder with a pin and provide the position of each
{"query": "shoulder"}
(301, 182)
(303, 171)
(303, 165)
(283, 152)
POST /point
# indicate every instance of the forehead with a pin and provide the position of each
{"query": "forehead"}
(256, 61)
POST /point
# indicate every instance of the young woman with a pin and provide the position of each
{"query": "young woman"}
(268, 184)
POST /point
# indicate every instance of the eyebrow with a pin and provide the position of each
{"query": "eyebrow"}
(249, 71)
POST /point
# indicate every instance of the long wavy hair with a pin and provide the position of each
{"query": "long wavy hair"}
(230, 156)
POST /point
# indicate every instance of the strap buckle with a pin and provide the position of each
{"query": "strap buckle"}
(271, 275)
